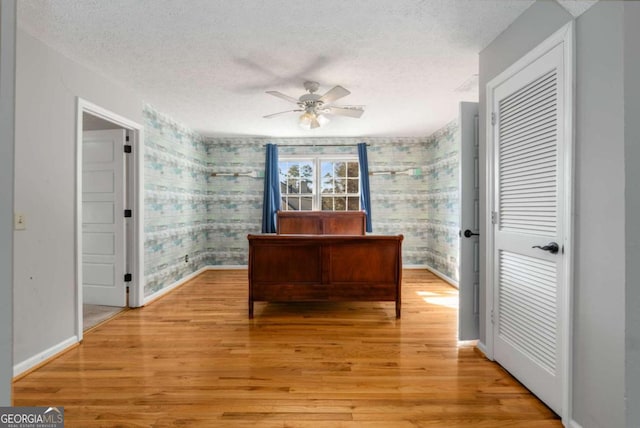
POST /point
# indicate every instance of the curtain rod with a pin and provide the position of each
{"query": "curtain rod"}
(316, 145)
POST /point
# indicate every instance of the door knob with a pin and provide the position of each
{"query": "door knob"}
(551, 247)
(468, 234)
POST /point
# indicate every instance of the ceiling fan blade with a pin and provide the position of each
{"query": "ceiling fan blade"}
(269, 116)
(283, 96)
(333, 94)
(346, 111)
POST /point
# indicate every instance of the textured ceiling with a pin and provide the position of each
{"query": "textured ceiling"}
(208, 63)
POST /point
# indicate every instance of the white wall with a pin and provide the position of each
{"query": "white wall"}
(599, 283)
(47, 84)
(7, 87)
(599, 289)
(632, 172)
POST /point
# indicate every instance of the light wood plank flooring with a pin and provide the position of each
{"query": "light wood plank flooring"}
(193, 358)
(92, 315)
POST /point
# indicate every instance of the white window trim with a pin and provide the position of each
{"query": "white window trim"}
(316, 159)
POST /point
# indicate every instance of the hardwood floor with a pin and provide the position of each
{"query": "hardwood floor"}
(193, 358)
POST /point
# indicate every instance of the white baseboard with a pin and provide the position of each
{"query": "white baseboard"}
(44, 355)
(227, 267)
(415, 267)
(574, 424)
(483, 348)
(452, 282)
(168, 288)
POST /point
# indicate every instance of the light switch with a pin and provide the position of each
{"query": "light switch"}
(19, 221)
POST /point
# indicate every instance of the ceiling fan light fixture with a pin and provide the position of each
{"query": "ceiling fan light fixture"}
(311, 120)
(305, 120)
(322, 119)
(315, 107)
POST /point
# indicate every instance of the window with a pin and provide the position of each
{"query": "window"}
(296, 185)
(320, 183)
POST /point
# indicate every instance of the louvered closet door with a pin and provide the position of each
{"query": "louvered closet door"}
(528, 169)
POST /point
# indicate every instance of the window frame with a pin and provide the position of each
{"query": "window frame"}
(316, 160)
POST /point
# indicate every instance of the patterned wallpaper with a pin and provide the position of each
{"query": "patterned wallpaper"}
(188, 212)
(421, 207)
(236, 202)
(176, 201)
(443, 201)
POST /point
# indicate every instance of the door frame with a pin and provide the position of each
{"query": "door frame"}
(565, 36)
(468, 292)
(136, 242)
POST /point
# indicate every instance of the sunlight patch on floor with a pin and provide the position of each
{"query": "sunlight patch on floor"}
(447, 299)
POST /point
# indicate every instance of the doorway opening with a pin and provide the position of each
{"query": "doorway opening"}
(109, 215)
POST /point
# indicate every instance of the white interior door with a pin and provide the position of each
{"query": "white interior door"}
(469, 285)
(530, 217)
(103, 224)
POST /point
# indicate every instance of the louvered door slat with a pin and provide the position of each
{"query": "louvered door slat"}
(528, 184)
(527, 160)
(542, 159)
(534, 113)
(541, 150)
(528, 129)
(526, 296)
(531, 88)
(526, 143)
(525, 172)
(528, 140)
(531, 316)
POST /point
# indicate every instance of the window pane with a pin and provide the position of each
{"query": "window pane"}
(306, 170)
(283, 204)
(328, 184)
(326, 168)
(306, 186)
(306, 204)
(353, 169)
(354, 203)
(353, 185)
(327, 203)
(294, 170)
(292, 186)
(340, 185)
(340, 169)
(288, 206)
(340, 204)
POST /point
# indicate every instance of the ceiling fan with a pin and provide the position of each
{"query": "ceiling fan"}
(315, 107)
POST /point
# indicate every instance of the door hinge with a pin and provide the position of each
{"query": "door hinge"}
(494, 217)
(128, 213)
(126, 138)
(127, 277)
(492, 317)
(494, 118)
(127, 148)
